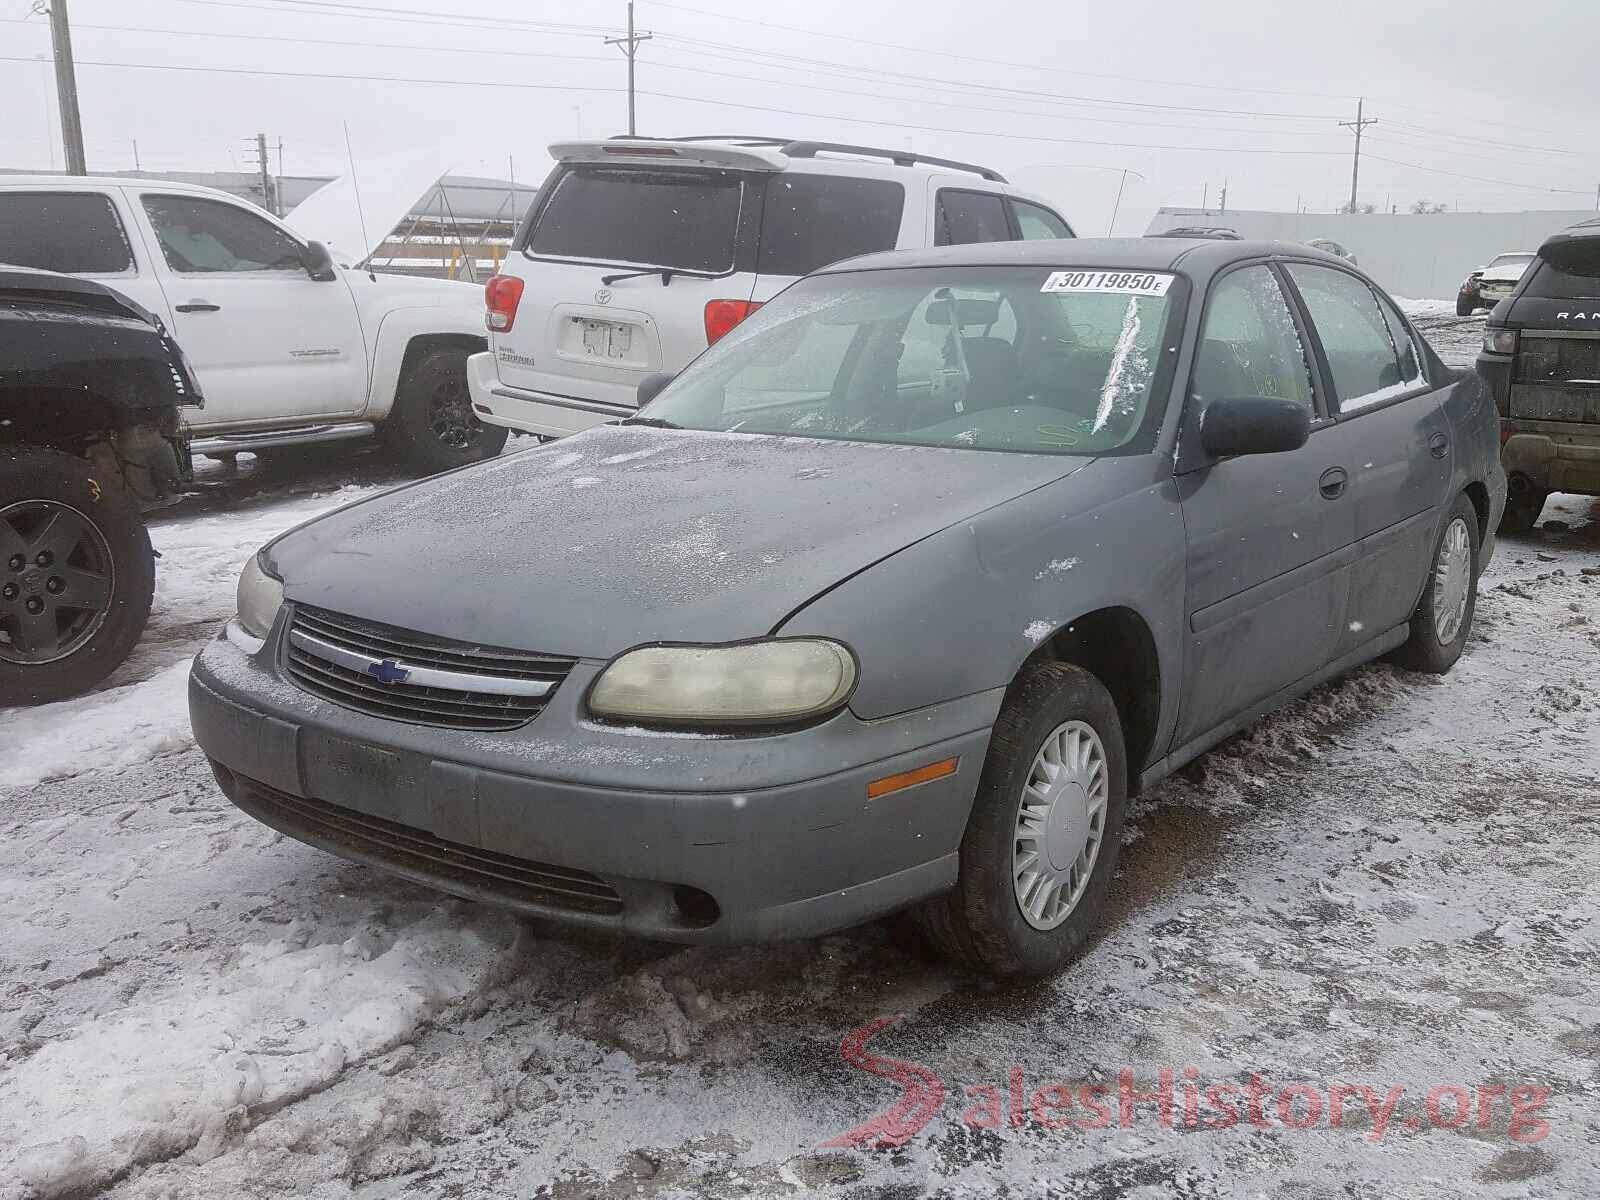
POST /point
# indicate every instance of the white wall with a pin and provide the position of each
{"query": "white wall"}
(1422, 257)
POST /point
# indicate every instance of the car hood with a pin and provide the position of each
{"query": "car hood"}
(624, 535)
(1506, 274)
(397, 290)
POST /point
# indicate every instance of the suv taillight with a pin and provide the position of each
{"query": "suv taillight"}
(723, 315)
(502, 295)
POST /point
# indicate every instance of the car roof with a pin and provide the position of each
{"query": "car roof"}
(82, 183)
(1197, 257)
(754, 153)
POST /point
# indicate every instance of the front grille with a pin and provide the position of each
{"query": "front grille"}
(419, 853)
(482, 708)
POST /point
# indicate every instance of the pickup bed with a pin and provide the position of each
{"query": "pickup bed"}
(290, 347)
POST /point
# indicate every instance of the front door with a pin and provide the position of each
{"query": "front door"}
(267, 341)
(1269, 535)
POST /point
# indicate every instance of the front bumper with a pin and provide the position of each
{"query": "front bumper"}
(605, 827)
(543, 413)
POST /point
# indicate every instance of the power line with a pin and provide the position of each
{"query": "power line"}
(1394, 162)
(391, 16)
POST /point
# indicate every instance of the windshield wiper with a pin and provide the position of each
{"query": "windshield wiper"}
(652, 422)
(666, 274)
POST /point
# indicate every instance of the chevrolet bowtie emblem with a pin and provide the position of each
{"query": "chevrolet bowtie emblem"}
(388, 671)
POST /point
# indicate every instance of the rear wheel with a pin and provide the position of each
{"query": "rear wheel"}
(1042, 842)
(1442, 621)
(76, 576)
(433, 427)
(1524, 503)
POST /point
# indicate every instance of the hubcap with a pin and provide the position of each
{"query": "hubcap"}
(450, 414)
(1061, 820)
(57, 579)
(1452, 581)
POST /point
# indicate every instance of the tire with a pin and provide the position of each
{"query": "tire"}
(1523, 507)
(1465, 306)
(981, 923)
(432, 427)
(99, 535)
(1442, 621)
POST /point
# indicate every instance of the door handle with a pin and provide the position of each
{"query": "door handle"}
(1332, 483)
(198, 306)
(1438, 445)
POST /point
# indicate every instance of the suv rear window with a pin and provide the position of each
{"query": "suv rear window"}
(74, 233)
(809, 221)
(656, 218)
(1553, 284)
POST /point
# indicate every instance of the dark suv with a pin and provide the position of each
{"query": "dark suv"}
(1541, 361)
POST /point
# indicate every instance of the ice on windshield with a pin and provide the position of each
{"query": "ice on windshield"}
(971, 358)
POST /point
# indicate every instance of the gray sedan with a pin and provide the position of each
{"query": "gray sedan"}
(889, 601)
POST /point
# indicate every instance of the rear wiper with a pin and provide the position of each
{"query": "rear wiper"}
(651, 422)
(666, 274)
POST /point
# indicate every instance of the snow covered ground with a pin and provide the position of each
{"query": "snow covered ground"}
(1390, 885)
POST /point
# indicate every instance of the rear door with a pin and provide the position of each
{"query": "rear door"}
(1392, 436)
(619, 264)
(79, 232)
(267, 341)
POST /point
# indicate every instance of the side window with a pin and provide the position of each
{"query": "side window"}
(1036, 221)
(76, 233)
(809, 221)
(1355, 336)
(1249, 345)
(964, 217)
(1405, 346)
(199, 236)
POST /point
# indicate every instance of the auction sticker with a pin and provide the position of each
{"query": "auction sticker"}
(1120, 283)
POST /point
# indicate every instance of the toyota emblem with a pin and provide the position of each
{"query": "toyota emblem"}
(603, 296)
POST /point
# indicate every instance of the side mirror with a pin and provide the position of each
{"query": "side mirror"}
(1254, 425)
(318, 263)
(652, 386)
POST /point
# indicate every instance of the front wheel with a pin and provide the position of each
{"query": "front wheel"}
(1042, 842)
(433, 427)
(1466, 306)
(1443, 617)
(76, 576)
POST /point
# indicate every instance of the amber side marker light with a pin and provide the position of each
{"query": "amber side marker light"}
(909, 779)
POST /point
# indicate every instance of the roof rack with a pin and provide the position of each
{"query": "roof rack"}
(900, 158)
(809, 149)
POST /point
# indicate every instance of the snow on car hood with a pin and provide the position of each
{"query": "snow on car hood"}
(624, 535)
(353, 214)
(1504, 273)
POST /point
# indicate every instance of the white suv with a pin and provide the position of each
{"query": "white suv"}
(640, 253)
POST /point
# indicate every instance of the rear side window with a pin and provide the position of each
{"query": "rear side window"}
(1035, 221)
(965, 217)
(809, 221)
(1355, 337)
(76, 234)
(206, 236)
(683, 219)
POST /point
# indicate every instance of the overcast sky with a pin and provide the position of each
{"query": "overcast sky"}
(1061, 95)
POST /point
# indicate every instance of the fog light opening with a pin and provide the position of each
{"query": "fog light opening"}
(697, 908)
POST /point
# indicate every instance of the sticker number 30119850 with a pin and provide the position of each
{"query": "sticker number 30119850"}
(1121, 283)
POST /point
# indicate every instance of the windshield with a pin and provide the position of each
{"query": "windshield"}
(1044, 360)
(1511, 260)
(660, 218)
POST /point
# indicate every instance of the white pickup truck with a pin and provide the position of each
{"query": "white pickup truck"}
(290, 348)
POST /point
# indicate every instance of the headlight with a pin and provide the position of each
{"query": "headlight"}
(787, 679)
(1500, 341)
(260, 598)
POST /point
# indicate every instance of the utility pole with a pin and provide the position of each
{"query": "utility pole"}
(1224, 200)
(264, 167)
(136, 165)
(1117, 207)
(630, 48)
(67, 89)
(1355, 168)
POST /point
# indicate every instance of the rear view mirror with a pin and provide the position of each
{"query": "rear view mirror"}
(652, 386)
(1254, 425)
(318, 262)
(970, 312)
